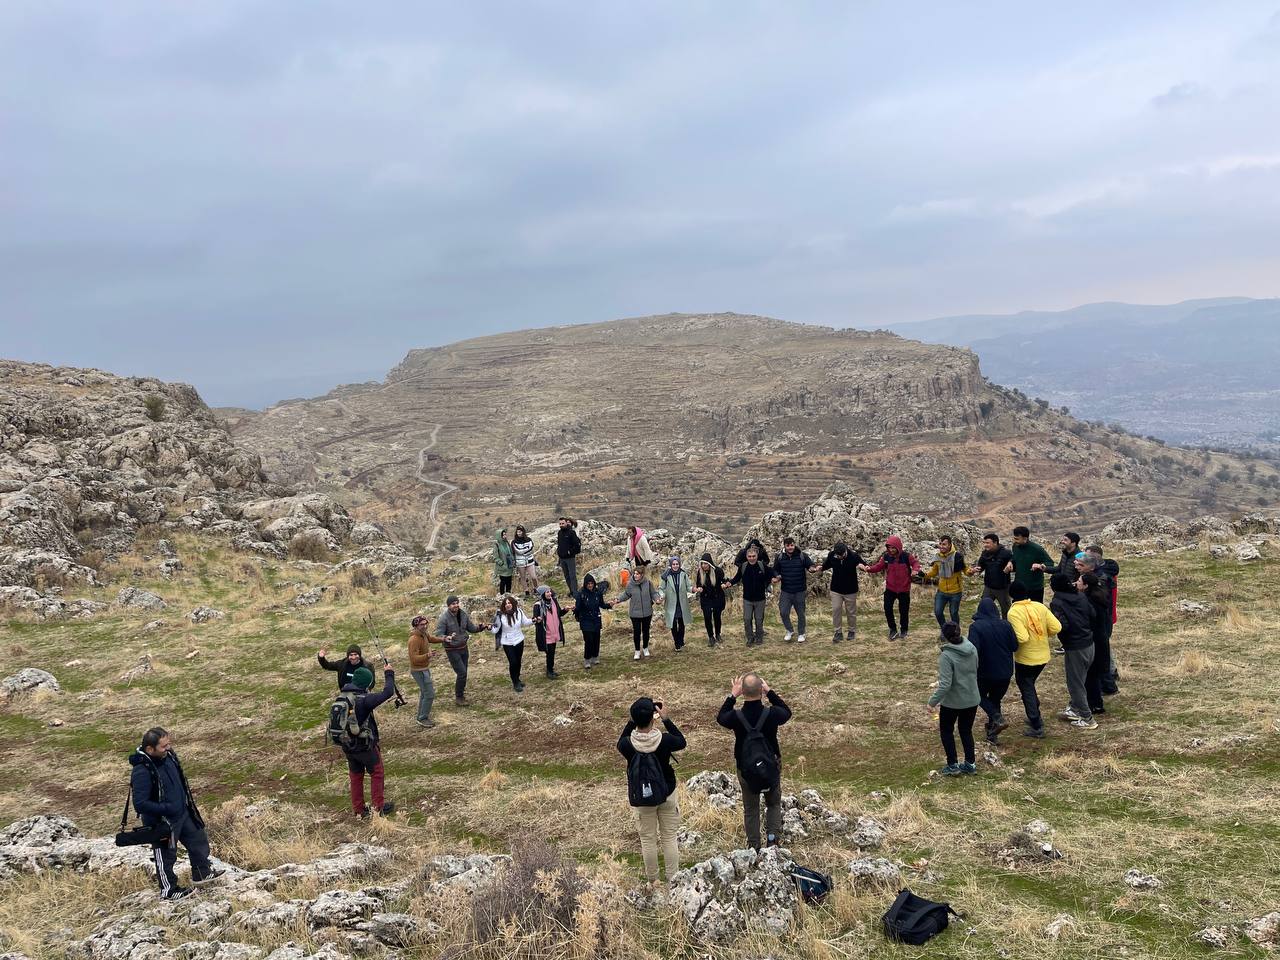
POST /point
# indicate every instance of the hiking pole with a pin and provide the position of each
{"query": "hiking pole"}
(373, 635)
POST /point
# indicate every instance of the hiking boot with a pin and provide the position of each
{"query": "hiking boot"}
(838, 637)
(786, 637)
(645, 651)
(893, 634)
(1035, 733)
(388, 807)
(426, 724)
(461, 702)
(552, 675)
(178, 893)
(636, 655)
(1083, 724)
(951, 770)
(209, 877)
(800, 639)
(518, 686)
(968, 768)
(999, 726)
(1068, 715)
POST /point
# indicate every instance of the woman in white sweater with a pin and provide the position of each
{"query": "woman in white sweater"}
(508, 628)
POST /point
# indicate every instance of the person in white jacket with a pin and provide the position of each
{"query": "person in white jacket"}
(508, 628)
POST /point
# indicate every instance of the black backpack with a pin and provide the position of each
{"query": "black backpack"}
(915, 920)
(646, 783)
(759, 766)
(812, 885)
(344, 730)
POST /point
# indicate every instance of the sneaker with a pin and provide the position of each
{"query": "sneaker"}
(388, 807)
(679, 649)
(999, 726)
(893, 634)
(1083, 724)
(362, 814)
(179, 893)
(800, 639)
(902, 635)
(838, 637)
(209, 877)
(595, 661)
(718, 641)
(518, 686)
(586, 664)
(552, 675)
(951, 770)
(1035, 733)
(636, 655)
(461, 701)
(1097, 710)
(645, 651)
(786, 637)
(1069, 715)
(968, 768)
(426, 724)
(1059, 650)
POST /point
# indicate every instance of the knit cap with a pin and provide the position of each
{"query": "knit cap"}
(362, 678)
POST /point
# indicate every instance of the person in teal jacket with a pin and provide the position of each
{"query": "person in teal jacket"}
(956, 698)
(674, 589)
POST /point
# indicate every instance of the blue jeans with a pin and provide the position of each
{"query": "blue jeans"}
(426, 693)
(941, 601)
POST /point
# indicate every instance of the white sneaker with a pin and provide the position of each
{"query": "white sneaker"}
(645, 651)
(787, 637)
(800, 639)
(636, 655)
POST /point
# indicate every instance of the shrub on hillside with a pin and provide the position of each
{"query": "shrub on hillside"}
(155, 406)
(303, 547)
(362, 578)
(92, 558)
(47, 575)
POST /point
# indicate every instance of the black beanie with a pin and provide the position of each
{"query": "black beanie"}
(355, 648)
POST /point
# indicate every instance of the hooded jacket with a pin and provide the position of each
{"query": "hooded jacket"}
(567, 542)
(792, 568)
(844, 573)
(1034, 624)
(1075, 613)
(504, 560)
(898, 570)
(712, 582)
(345, 669)
(957, 677)
(668, 742)
(159, 789)
(674, 587)
(994, 640)
(954, 582)
(588, 604)
(1111, 571)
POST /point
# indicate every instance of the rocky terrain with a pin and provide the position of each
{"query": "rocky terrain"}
(710, 420)
(88, 460)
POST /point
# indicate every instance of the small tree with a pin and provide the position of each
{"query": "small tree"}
(155, 406)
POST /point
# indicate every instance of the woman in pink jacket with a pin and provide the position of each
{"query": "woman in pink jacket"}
(899, 567)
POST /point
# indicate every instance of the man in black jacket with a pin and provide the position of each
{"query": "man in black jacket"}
(755, 577)
(1069, 544)
(754, 689)
(160, 794)
(568, 546)
(791, 573)
(345, 667)
(843, 564)
(996, 564)
(659, 825)
(1075, 613)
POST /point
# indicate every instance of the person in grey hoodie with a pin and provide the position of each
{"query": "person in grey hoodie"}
(956, 698)
(641, 595)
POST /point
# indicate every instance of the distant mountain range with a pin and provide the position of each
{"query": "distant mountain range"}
(1200, 372)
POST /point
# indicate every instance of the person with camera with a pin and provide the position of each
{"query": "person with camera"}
(651, 783)
(163, 799)
(756, 753)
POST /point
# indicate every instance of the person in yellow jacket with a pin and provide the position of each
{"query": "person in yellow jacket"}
(1033, 625)
(948, 570)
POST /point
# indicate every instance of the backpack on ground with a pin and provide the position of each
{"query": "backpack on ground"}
(915, 920)
(812, 885)
(759, 766)
(646, 783)
(344, 729)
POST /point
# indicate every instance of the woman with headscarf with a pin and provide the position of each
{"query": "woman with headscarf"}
(708, 584)
(549, 631)
(674, 592)
(639, 553)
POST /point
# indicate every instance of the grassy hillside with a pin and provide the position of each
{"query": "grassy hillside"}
(1184, 763)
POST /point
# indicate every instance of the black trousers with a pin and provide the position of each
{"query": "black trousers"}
(1099, 670)
(551, 657)
(711, 619)
(640, 631)
(1026, 677)
(904, 608)
(677, 631)
(458, 660)
(590, 644)
(992, 692)
(515, 653)
(504, 584)
(948, 720)
(166, 855)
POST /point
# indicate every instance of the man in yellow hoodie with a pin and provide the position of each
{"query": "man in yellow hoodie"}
(1033, 624)
(948, 570)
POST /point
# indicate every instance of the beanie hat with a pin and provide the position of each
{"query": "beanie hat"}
(362, 678)
(452, 598)
(355, 648)
(417, 621)
(542, 590)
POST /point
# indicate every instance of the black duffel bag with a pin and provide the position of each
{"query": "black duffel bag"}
(141, 836)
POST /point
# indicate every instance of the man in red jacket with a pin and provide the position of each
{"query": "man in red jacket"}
(899, 567)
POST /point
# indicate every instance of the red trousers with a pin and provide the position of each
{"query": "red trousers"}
(357, 765)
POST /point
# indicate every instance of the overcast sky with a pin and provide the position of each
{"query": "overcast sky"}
(265, 199)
